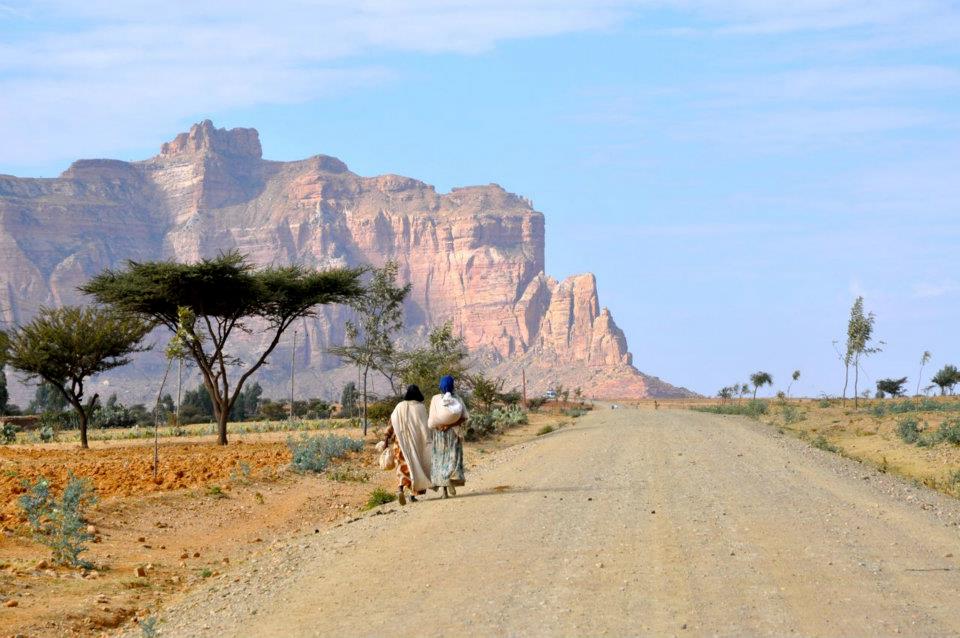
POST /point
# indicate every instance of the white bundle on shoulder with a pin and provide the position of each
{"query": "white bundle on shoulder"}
(445, 410)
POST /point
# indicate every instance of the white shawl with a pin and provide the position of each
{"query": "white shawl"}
(409, 420)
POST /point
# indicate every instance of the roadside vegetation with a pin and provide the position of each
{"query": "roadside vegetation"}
(915, 436)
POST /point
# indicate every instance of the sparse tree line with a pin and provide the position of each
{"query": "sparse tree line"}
(859, 344)
(205, 306)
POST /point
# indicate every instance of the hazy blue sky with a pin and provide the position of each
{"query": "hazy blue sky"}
(734, 172)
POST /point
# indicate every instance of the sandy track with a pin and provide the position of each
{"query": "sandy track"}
(630, 522)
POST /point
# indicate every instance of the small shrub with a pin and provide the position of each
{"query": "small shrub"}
(949, 431)
(509, 416)
(479, 425)
(258, 497)
(215, 491)
(46, 433)
(380, 411)
(61, 526)
(206, 573)
(148, 627)
(241, 473)
(8, 433)
(379, 497)
(535, 403)
(791, 414)
(547, 429)
(953, 480)
(349, 476)
(753, 408)
(824, 403)
(907, 430)
(573, 413)
(822, 443)
(314, 453)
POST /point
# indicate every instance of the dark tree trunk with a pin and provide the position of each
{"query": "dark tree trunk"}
(83, 429)
(856, 382)
(846, 381)
(222, 427)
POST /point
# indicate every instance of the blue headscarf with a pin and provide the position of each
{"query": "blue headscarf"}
(446, 384)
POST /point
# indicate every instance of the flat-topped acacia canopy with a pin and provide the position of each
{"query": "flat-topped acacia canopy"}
(220, 295)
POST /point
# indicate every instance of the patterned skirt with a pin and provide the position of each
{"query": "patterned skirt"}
(403, 470)
(447, 463)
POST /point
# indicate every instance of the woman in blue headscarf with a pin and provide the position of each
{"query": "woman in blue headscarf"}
(447, 413)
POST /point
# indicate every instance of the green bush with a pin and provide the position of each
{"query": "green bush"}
(547, 429)
(314, 453)
(60, 525)
(380, 411)
(535, 403)
(907, 406)
(753, 408)
(508, 416)
(822, 443)
(949, 431)
(483, 424)
(379, 497)
(908, 430)
(791, 414)
(479, 425)
(8, 433)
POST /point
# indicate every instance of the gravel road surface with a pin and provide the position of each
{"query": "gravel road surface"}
(631, 522)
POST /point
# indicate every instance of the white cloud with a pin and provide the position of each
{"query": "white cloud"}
(98, 76)
(89, 78)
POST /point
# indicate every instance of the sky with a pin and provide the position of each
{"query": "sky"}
(735, 172)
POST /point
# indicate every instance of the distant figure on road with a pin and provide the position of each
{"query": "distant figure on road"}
(447, 412)
(411, 444)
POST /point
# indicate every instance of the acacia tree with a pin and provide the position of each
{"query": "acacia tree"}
(445, 353)
(893, 387)
(760, 379)
(924, 360)
(945, 378)
(65, 346)
(859, 335)
(225, 296)
(380, 316)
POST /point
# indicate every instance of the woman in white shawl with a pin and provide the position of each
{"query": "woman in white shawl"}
(411, 444)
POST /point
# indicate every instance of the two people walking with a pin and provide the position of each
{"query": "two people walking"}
(428, 448)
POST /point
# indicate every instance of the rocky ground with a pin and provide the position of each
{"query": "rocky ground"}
(630, 522)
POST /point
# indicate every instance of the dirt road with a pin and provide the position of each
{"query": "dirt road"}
(627, 523)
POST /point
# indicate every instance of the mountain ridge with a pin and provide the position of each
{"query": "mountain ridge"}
(475, 255)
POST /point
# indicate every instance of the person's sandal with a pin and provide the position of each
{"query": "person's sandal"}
(444, 493)
(413, 498)
(401, 498)
(453, 491)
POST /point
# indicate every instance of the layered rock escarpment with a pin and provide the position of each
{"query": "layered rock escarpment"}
(475, 256)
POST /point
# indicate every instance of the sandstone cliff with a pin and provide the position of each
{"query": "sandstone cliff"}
(475, 255)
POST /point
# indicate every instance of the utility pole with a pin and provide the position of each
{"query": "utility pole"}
(523, 371)
(293, 363)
